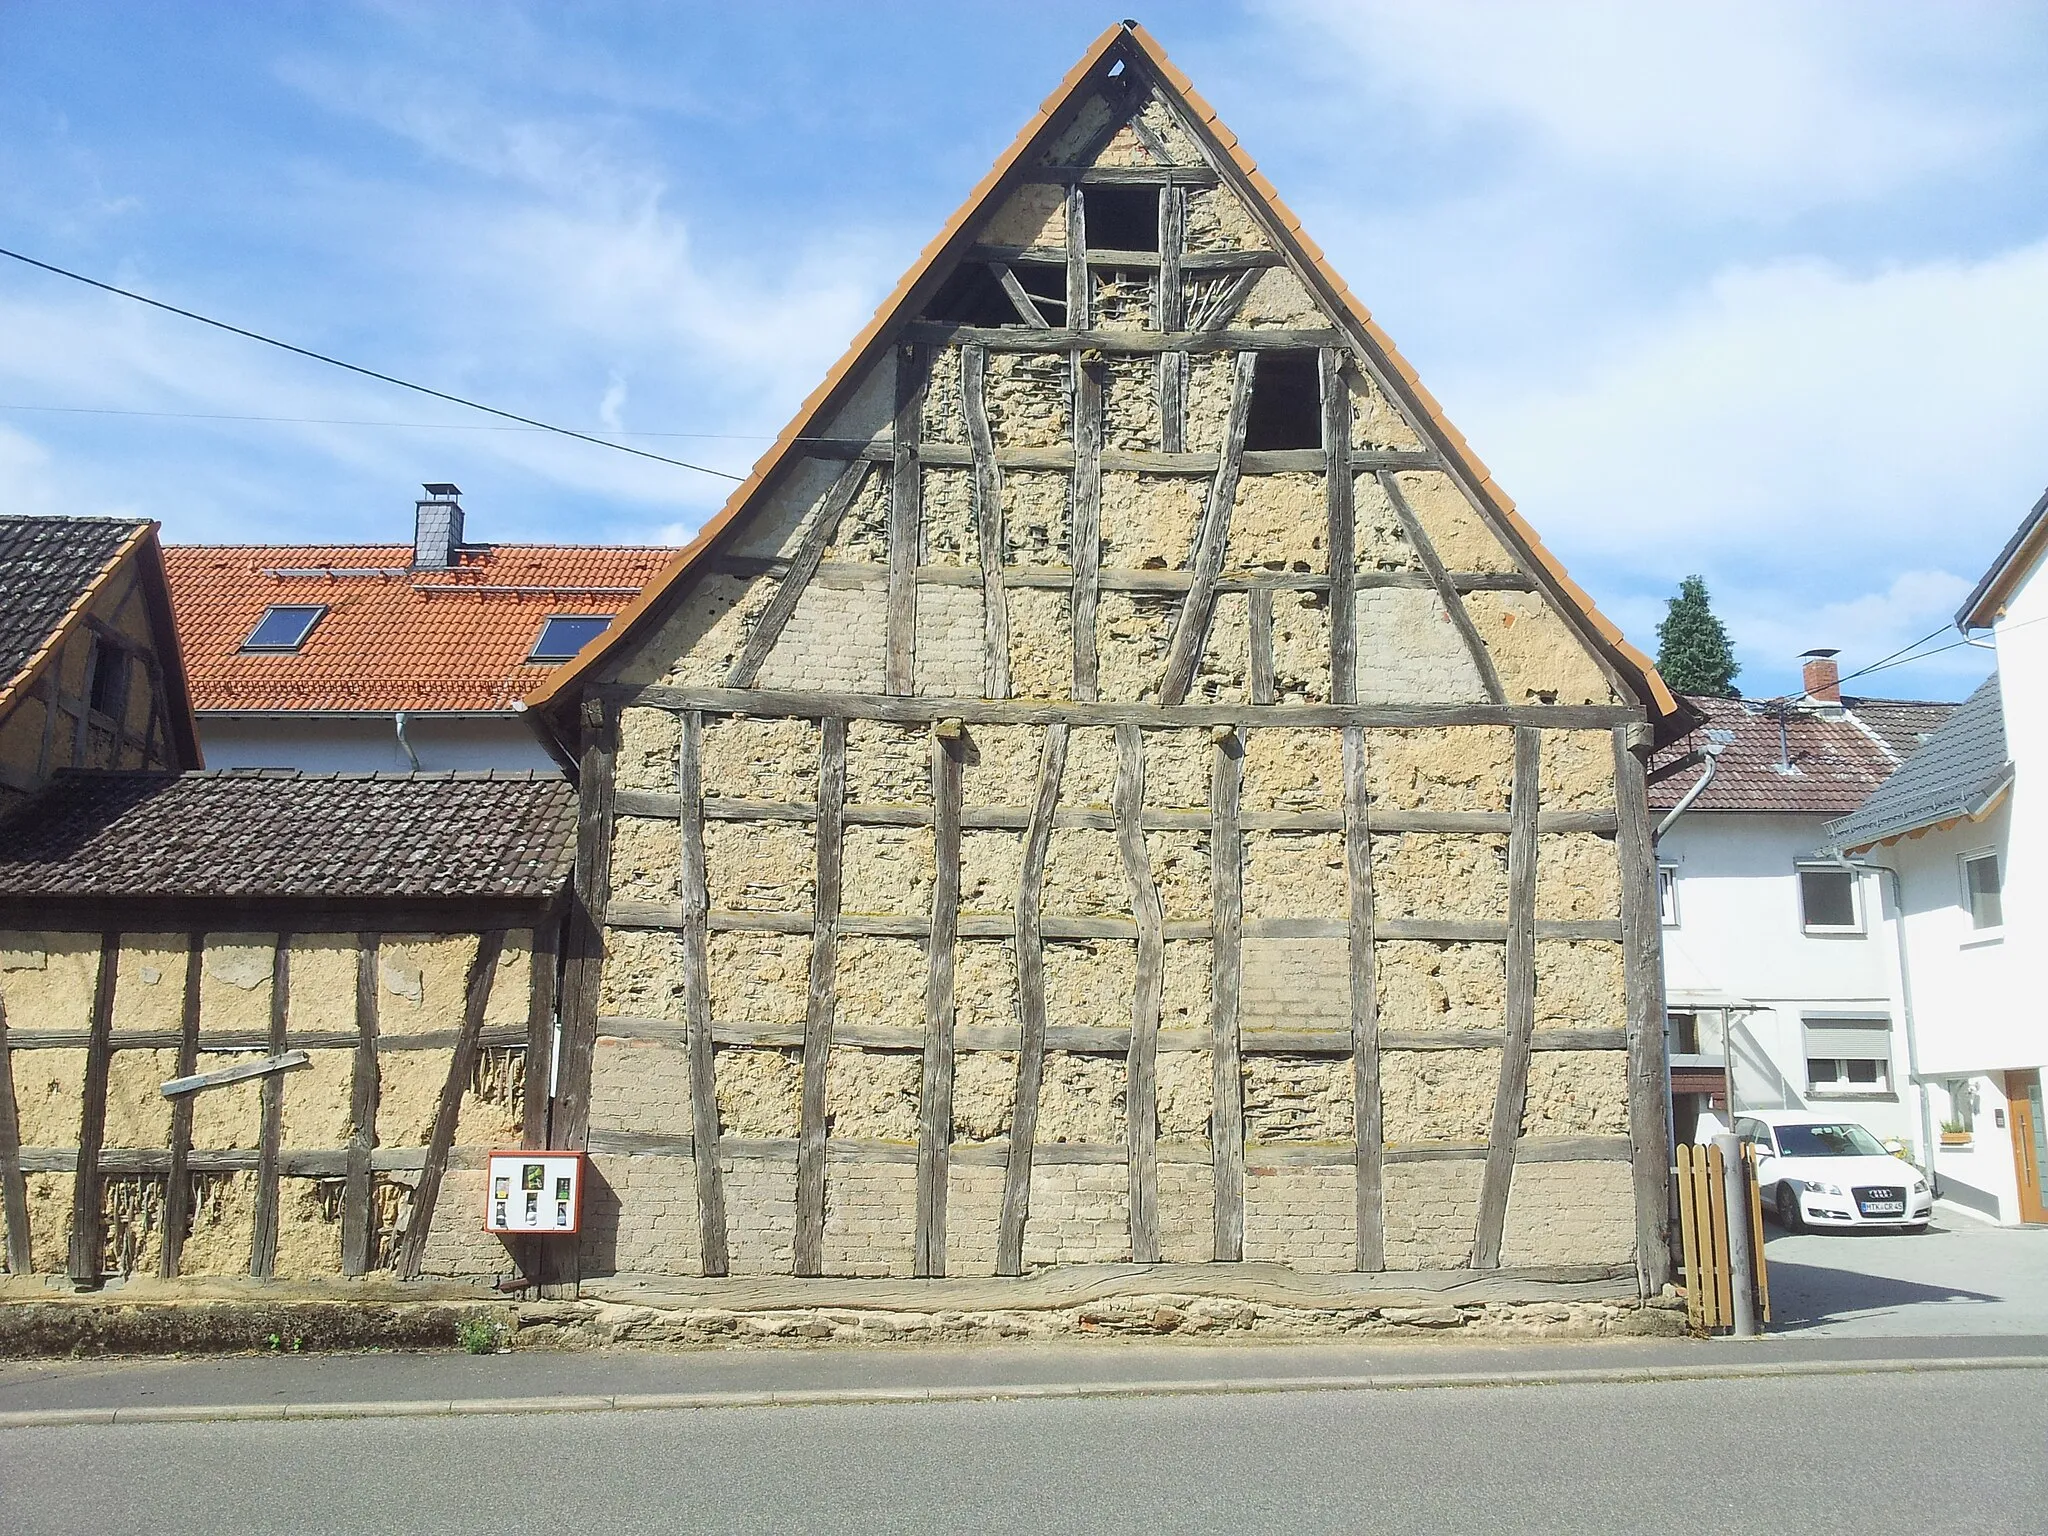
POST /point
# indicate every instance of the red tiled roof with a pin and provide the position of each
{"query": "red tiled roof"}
(393, 637)
(1836, 757)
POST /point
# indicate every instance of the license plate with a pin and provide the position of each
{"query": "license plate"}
(1884, 1207)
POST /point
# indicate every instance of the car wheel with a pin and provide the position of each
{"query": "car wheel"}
(1788, 1210)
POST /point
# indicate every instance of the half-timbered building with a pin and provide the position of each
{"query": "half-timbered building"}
(1119, 782)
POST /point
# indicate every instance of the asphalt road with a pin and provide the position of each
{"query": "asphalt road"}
(1864, 1454)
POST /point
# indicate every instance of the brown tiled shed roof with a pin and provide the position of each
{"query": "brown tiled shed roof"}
(271, 834)
(1833, 758)
(49, 567)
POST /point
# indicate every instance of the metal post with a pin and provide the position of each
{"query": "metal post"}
(1741, 1261)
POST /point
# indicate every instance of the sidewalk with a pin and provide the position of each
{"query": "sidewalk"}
(45, 1392)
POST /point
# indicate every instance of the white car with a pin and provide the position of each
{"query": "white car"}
(1823, 1171)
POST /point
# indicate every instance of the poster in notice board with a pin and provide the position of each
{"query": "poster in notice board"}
(532, 1194)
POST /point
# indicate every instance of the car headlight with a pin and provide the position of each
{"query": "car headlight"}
(1919, 1186)
(1815, 1187)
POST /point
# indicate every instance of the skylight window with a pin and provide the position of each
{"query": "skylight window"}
(283, 628)
(563, 635)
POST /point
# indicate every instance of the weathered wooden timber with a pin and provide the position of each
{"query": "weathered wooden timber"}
(1031, 1009)
(711, 1237)
(178, 1182)
(238, 1072)
(1446, 590)
(358, 1226)
(1642, 971)
(987, 506)
(1123, 343)
(1086, 502)
(803, 566)
(540, 1034)
(820, 999)
(935, 1099)
(13, 1187)
(88, 1225)
(263, 1246)
(1205, 563)
(906, 512)
(1141, 1096)
(1362, 958)
(1339, 498)
(1264, 688)
(1226, 980)
(1511, 1096)
(590, 894)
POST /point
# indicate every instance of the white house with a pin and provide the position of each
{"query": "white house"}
(1966, 829)
(1780, 983)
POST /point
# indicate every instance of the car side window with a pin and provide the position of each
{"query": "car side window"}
(1756, 1132)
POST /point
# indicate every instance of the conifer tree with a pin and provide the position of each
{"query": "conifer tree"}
(1693, 651)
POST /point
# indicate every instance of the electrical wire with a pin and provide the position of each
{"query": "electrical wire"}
(332, 421)
(368, 373)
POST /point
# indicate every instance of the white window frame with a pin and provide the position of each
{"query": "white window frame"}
(1886, 1086)
(1667, 895)
(1855, 928)
(1995, 930)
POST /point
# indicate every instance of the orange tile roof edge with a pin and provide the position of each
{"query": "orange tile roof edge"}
(1664, 704)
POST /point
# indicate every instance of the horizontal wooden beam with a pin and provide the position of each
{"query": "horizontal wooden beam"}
(499, 1036)
(1190, 261)
(1023, 338)
(855, 576)
(239, 1072)
(1120, 175)
(646, 802)
(1106, 1038)
(310, 1163)
(1265, 461)
(985, 1154)
(902, 710)
(666, 915)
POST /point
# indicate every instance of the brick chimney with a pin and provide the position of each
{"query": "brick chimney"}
(437, 527)
(1822, 677)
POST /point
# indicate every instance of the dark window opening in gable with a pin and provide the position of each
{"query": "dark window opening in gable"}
(1287, 403)
(564, 634)
(973, 295)
(109, 691)
(283, 627)
(1046, 285)
(1121, 218)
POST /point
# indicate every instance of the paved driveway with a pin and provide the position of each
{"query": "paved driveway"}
(1957, 1277)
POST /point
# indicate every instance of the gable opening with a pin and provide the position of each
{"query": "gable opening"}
(1122, 218)
(972, 295)
(1286, 409)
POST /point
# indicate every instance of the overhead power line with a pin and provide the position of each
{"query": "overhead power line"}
(368, 373)
(336, 421)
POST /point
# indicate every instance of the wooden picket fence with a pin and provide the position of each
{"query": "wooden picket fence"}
(1703, 1217)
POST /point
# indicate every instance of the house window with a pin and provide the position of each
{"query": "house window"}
(1685, 1034)
(1848, 1056)
(109, 689)
(563, 635)
(1667, 895)
(283, 627)
(1982, 890)
(1286, 408)
(1827, 900)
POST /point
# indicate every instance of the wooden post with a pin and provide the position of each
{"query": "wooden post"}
(935, 1099)
(1052, 763)
(1171, 313)
(178, 1185)
(13, 1186)
(906, 513)
(808, 1247)
(1141, 1092)
(263, 1242)
(537, 1095)
(590, 895)
(1184, 657)
(692, 886)
(1080, 302)
(1226, 973)
(1512, 1094)
(1339, 494)
(1264, 688)
(1365, 1008)
(358, 1226)
(1086, 534)
(88, 1241)
(988, 523)
(1642, 962)
(483, 970)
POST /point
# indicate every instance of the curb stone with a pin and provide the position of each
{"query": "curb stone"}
(54, 1418)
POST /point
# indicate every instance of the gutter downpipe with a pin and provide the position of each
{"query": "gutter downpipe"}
(1906, 1009)
(398, 721)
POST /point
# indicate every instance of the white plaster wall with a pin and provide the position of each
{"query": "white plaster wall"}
(1739, 935)
(370, 745)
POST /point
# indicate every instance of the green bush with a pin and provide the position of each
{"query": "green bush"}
(479, 1335)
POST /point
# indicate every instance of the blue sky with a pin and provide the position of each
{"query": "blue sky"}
(1748, 289)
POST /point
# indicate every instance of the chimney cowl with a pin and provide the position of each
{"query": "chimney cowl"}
(1821, 676)
(437, 526)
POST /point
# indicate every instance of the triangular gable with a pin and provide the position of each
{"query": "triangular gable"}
(1070, 128)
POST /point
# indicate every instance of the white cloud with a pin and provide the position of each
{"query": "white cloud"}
(1736, 102)
(1794, 416)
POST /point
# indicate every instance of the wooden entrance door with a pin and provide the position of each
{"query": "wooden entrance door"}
(2029, 1140)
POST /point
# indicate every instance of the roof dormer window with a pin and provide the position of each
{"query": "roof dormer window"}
(284, 627)
(564, 634)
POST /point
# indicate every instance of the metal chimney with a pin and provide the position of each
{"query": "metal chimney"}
(437, 527)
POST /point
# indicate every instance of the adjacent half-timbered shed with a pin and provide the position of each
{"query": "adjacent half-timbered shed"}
(341, 977)
(1118, 783)
(89, 670)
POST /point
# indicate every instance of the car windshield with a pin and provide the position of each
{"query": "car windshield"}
(1842, 1140)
